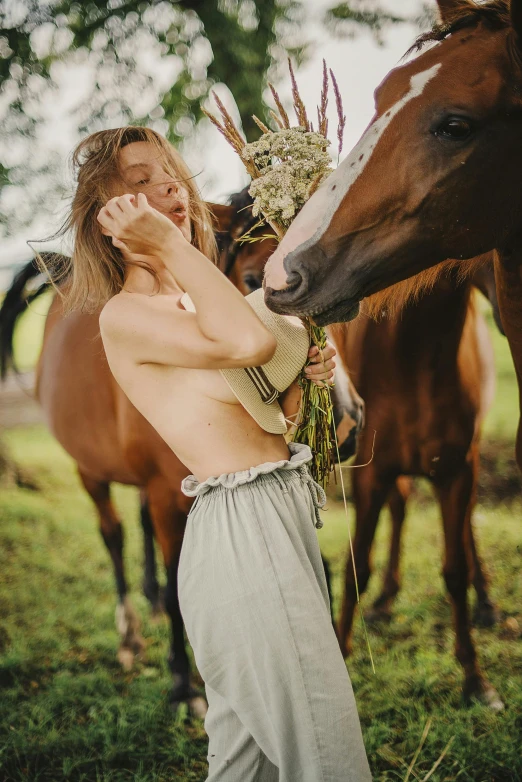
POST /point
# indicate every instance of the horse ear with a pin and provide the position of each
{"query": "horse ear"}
(515, 9)
(222, 215)
(447, 8)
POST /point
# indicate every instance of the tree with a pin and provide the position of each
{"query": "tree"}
(194, 43)
(146, 62)
(345, 19)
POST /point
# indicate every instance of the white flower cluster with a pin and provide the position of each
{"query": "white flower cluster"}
(289, 163)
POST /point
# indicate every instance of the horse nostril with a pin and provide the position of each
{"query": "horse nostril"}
(294, 282)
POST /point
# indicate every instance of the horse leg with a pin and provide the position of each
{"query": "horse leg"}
(168, 511)
(369, 493)
(127, 620)
(456, 497)
(151, 588)
(397, 498)
(485, 613)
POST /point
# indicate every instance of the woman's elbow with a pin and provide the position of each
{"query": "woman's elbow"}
(257, 350)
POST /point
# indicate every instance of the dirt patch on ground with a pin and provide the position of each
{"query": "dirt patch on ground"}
(499, 477)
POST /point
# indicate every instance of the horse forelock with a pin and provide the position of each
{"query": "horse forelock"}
(466, 14)
(392, 300)
(242, 222)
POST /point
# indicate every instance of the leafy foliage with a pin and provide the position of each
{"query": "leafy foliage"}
(126, 61)
(345, 19)
(137, 62)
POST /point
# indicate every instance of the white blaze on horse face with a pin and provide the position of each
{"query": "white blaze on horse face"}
(315, 217)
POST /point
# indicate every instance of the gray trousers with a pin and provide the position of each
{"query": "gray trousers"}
(254, 600)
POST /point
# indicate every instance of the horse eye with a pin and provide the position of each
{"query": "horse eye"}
(455, 129)
(252, 282)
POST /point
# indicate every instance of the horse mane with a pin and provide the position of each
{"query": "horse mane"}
(392, 300)
(466, 14)
(242, 222)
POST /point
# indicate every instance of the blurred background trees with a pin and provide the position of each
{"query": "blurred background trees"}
(123, 61)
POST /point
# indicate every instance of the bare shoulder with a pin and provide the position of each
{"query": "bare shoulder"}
(119, 312)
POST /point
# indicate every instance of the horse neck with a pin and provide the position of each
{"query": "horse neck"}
(436, 321)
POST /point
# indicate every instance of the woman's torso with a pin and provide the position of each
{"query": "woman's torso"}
(199, 417)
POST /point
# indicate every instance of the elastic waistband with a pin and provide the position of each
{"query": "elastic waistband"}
(300, 454)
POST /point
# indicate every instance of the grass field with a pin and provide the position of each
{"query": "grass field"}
(68, 712)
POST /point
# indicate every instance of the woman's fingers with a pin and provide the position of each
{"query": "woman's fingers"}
(113, 206)
(327, 379)
(142, 200)
(313, 370)
(127, 204)
(113, 215)
(106, 219)
(316, 356)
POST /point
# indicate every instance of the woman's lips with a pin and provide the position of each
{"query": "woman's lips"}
(178, 215)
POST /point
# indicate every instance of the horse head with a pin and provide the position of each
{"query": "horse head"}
(435, 175)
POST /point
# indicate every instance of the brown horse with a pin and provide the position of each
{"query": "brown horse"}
(110, 441)
(427, 378)
(436, 175)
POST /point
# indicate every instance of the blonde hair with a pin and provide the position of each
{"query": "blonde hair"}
(95, 272)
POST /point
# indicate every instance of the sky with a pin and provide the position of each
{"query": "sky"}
(359, 64)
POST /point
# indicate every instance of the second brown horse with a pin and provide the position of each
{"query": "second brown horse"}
(427, 378)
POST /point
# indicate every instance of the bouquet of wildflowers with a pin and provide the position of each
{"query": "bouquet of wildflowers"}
(287, 165)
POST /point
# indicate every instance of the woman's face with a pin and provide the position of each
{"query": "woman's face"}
(142, 172)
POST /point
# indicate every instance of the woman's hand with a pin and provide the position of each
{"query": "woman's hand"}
(137, 228)
(321, 369)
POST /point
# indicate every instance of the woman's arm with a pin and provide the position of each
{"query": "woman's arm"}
(224, 332)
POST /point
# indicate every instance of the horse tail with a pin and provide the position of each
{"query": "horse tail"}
(15, 302)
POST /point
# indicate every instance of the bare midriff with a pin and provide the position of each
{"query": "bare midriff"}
(199, 417)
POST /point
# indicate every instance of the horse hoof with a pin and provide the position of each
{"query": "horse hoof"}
(378, 616)
(128, 626)
(190, 698)
(125, 658)
(198, 707)
(485, 615)
(487, 695)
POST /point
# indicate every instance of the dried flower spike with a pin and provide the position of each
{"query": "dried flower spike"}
(299, 107)
(280, 107)
(340, 112)
(321, 110)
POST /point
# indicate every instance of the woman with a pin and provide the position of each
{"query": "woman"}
(179, 337)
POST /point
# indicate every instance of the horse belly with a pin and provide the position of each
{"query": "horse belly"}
(75, 389)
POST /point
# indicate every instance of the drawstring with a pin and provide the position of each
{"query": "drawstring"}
(317, 494)
(279, 479)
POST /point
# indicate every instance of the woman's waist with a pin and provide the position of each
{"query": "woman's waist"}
(229, 443)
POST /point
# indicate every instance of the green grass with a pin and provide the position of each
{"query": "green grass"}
(29, 332)
(68, 712)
